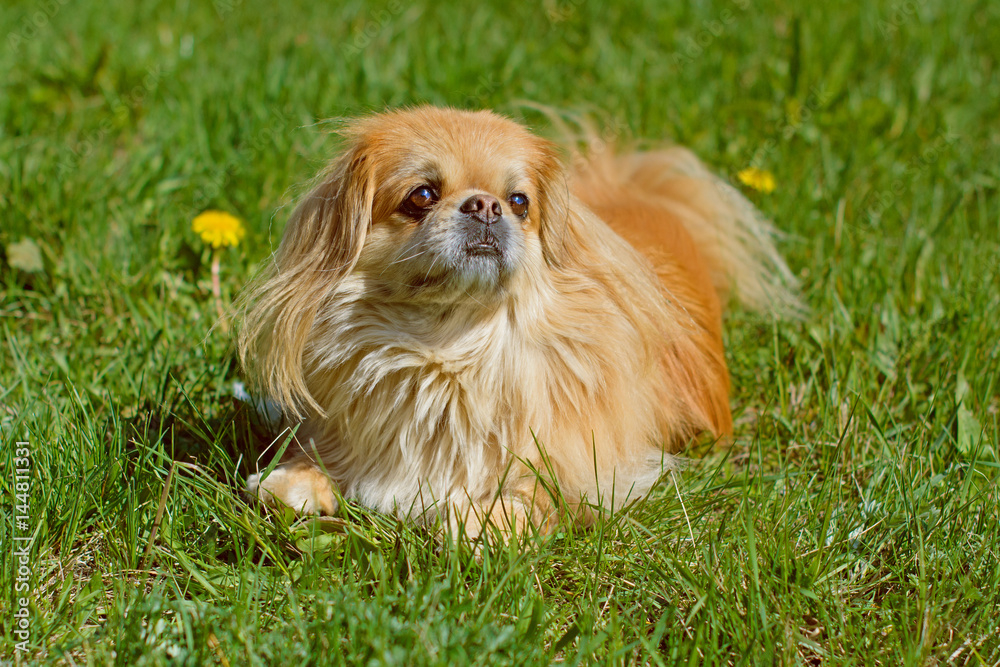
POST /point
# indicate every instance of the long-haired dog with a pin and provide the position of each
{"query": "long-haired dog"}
(463, 323)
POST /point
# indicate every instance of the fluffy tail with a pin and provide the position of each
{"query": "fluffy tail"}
(736, 241)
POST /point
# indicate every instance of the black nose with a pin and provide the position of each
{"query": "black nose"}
(483, 208)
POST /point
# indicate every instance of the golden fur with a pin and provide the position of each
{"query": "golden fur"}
(433, 381)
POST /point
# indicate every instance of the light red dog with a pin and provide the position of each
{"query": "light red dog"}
(465, 324)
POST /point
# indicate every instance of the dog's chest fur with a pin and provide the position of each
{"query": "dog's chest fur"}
(420, 411)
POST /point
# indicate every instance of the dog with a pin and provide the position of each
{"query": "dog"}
(469, 329)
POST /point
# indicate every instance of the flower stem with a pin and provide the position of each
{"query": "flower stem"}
(217, 290)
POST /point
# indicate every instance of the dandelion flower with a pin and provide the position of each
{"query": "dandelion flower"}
(218, 229)
(759, 179)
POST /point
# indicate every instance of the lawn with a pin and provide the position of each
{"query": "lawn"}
(854, 519)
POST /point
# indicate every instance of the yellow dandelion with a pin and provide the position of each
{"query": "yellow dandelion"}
(218, 229)
(759, 179)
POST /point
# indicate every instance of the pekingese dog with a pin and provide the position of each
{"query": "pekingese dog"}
(470, 330)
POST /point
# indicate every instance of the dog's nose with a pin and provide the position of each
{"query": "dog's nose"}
(484, 208)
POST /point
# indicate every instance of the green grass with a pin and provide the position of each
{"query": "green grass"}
(855, 519)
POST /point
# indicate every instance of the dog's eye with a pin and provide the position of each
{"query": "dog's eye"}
(519, 203)
(419, 200)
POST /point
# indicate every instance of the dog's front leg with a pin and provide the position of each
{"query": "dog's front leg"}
(299, 484)
(508, 514)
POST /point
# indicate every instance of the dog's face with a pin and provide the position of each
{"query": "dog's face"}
(447, 203)
(426, 208)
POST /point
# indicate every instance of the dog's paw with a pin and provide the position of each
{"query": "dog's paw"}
(300, 486)
(506, 516)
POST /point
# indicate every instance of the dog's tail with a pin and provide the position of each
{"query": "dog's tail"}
(735, 240)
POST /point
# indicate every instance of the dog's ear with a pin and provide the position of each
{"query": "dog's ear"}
(556, 225)
(571, 237)
(320, 247)
(328, 228)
